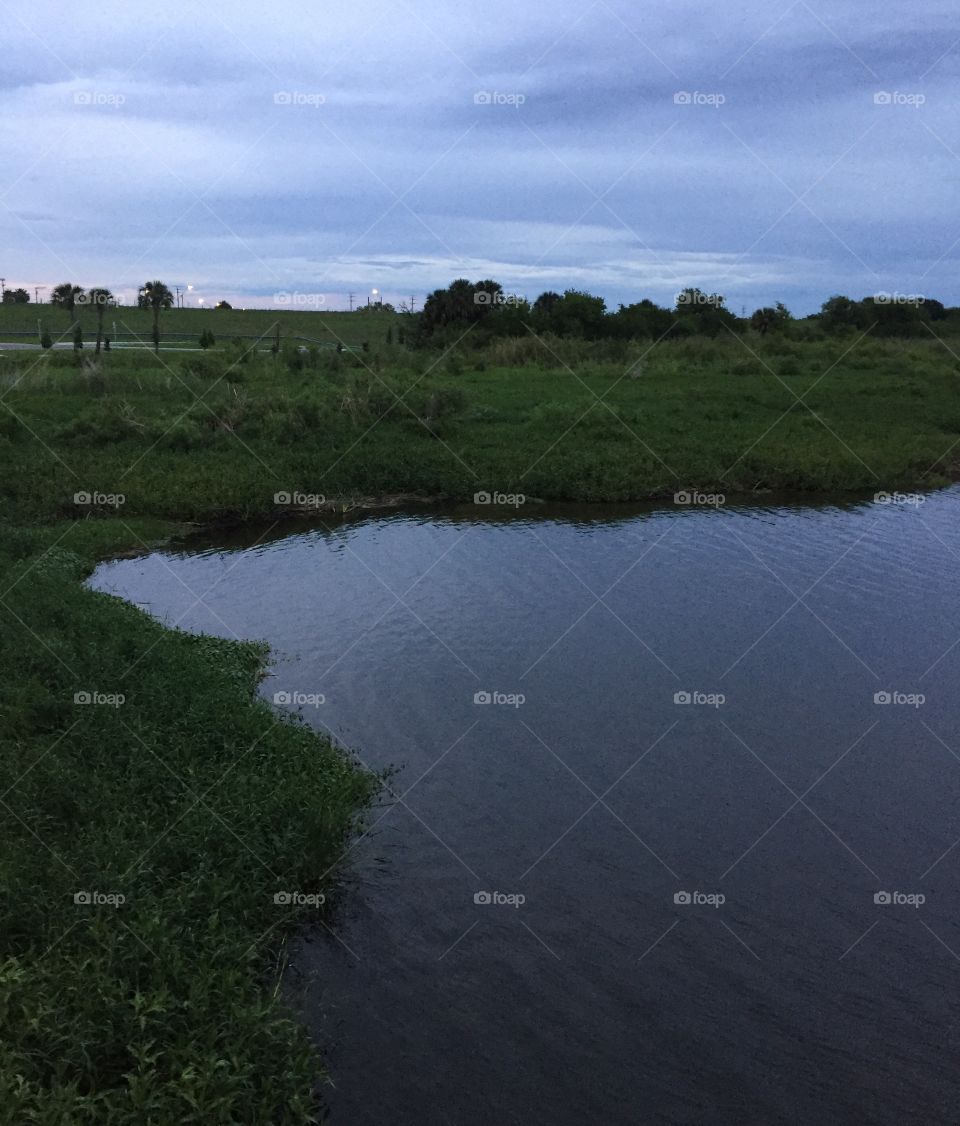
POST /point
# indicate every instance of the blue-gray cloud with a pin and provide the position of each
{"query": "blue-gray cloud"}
(628, 149)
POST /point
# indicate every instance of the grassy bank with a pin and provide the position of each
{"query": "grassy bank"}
(190, 800)
(144, 842)
(207, 437)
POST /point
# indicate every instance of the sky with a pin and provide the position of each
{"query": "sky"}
(289, 154)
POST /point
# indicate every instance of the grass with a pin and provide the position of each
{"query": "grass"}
(209, 437)
(190, 799)
(350, 328)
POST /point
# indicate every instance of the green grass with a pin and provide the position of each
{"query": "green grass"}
(193, 802)
(189, 799)
(350, 328)
(206, 437)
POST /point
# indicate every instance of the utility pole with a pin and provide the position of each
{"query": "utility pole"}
(413, 302)
(351, 296)
(2, 290)
(36, 293)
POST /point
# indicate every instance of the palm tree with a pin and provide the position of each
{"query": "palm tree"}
(156, 296)
(100, 299)
(65, 297)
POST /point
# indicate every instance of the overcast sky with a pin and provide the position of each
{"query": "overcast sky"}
(763, 150)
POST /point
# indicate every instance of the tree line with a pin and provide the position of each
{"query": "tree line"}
(486, 307)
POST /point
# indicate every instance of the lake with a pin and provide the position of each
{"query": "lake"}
(673, 835)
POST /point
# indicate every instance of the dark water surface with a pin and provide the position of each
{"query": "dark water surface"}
(600, 999)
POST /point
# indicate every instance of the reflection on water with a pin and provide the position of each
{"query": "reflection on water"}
(589, 900)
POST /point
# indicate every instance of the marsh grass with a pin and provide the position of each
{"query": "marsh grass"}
(613, 420)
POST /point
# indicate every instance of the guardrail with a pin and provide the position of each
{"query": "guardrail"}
(179, 337)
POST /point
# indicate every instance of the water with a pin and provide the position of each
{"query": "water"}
(599, 799)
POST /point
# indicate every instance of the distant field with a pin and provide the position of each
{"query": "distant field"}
(348, 328)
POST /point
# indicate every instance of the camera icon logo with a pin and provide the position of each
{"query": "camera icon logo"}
(482, 897)
(82, 898)
(482, 297)
(482, 698)
(682, 697)
(482, 98)
(881, 697)
(282, 898)
(683, 497)
(82, 498)
(482, 498)
(281, 498)
(282, 698)
(82, 98)
(682, 898)
(882, 898)
(882, 98)
(682, 98)
(282, 98)
(82, 698)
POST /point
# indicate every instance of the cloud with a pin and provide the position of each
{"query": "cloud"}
(257, 149)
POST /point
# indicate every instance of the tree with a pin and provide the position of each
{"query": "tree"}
(156, 296)
(767, 318)
(578, 314)
(838, 313)
(707, 313)
(65, 295)
(545, 302)
(100, 299)
(16, 297)
(223, 305)
(644, 319)
(461, 304)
